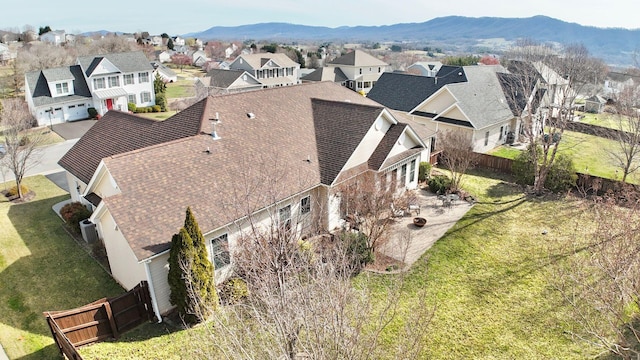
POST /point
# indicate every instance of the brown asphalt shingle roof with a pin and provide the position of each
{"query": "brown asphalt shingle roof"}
(117, 132)
(255, 162)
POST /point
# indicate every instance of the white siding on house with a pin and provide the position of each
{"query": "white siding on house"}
(76, 188)
(124, 265)
(159, 271)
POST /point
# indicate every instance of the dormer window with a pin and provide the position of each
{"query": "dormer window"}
(62, 88)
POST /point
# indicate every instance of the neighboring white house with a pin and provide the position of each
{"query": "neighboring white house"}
(425, 68)
(252, 158)
(270, 69)
(220, 81)
(166, 74)
(57, 37)
(361, 69)
(104, 82)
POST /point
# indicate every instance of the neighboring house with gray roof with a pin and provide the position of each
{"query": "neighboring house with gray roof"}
(478, 107)
(333, 74)
(166, 74)
(57, 95)
(361, 69)
(104, 82)
(270, 69)
(220, 81)
(258, 158)
(56, 37)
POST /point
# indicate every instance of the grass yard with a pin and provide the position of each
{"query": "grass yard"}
(184, 86)
(590, 155)
(490, 278)
(159, 115)
(505, 151)
(41, 268)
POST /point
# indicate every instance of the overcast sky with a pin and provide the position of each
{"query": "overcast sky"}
(185, 16)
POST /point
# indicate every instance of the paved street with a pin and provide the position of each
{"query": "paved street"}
(45, 161)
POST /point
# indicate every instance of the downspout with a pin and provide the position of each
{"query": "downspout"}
(154, 302)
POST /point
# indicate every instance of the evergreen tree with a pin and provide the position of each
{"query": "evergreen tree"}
(204, 271)
(180, 257)
(191, 275)
(170, 44)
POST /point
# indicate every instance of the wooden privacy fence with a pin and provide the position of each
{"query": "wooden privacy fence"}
(487, 161)
(102, 319)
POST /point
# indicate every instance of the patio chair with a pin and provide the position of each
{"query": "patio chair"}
(396, 212)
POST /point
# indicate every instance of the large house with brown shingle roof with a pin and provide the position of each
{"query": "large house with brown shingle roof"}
(239, 161)
(357, 70)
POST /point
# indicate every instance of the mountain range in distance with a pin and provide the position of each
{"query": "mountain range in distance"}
(615, 46)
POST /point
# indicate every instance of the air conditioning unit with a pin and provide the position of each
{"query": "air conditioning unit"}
(88, 230)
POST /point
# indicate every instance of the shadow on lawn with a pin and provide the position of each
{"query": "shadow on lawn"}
(55, 273)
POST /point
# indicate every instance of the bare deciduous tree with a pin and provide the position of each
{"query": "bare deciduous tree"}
(303, 300)
(601, 281)
(457, 155)
(21, 143)
(541, 92)
(627, 137)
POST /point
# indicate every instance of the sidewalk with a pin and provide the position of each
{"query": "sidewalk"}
(408, 242)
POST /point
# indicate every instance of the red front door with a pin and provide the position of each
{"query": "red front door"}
(109, 104)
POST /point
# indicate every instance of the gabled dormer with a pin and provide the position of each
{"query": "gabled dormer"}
(59, 81)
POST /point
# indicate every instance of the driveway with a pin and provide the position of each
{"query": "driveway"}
(73, 129)
(408, 242)
(45, 160)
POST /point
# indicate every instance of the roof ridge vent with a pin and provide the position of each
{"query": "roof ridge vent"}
(251, 115)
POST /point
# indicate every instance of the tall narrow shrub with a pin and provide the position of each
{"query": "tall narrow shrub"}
(191, 277)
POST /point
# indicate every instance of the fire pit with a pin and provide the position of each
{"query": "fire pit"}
(419, 221)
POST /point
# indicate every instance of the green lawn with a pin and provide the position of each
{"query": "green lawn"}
(590, 154)
(490, 279)
(505, 151)
(41, 268)
(184, 86)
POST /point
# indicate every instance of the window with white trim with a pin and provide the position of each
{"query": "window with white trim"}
(114, 81)
(128, 79)
(143, 77)
(145, 97)
(305, 205)
(62, 88)
(98, 84)
(284, 217)
(403, 174)
(412, 171)
(131, 98)
(220, 251)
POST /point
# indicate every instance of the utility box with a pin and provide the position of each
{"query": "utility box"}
(88, 230)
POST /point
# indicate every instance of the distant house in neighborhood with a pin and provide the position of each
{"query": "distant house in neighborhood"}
(270, 69)
(333, 74)
(7, 54)
(296, 145)
(178, 41)
(594, 104)
(104, 82)
(220, 81)
(617, 81)
(484, 101)
(166, 74)
(198, 57)
(57, 37)
(361, 69)
(165, 56)
(425, 68)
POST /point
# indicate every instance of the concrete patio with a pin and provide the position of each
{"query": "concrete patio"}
(408, 242)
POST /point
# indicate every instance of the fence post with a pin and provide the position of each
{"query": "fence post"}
(53, 332)
(112, 321)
